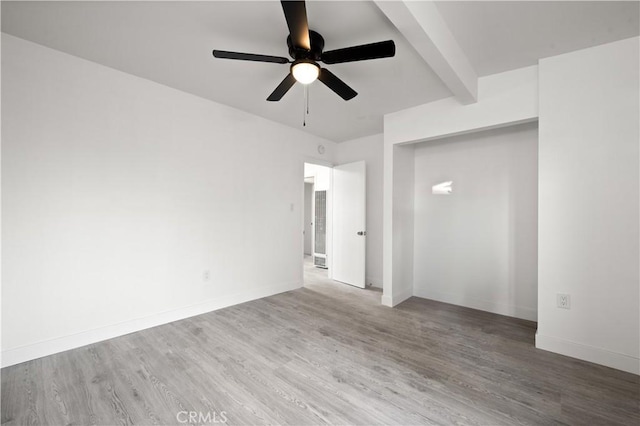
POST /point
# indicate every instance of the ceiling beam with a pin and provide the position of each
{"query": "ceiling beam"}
(422, 25)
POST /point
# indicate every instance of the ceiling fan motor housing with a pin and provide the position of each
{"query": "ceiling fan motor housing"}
(317, 46)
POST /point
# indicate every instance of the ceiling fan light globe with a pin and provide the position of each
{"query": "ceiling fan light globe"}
(305, 72)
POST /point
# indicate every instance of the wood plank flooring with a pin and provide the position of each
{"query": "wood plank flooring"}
(327, 353)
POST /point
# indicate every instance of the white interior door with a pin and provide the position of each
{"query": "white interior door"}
(349, 223)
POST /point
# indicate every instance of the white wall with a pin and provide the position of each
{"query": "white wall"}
(504, 99)
(118, 193)
(588, 190)
(589, 139)
(477, 247)
(321, 176)
(397, 252)
(369, 149)
(403, 213)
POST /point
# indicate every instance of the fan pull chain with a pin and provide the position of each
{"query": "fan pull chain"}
(305, 110)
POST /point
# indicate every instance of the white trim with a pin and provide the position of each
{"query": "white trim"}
(392, 301)
(483, 305)
(588, 353)
(476, 130)
(386, 301)
(329, 223)
(402, 296)
(316, 161)
(65, 343)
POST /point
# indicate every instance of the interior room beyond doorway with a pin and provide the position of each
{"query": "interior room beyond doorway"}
(317, 217)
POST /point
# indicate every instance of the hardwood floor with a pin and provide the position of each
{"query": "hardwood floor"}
(327, 353)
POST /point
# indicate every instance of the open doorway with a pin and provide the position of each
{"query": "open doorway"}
(317, 218)
(335, 222)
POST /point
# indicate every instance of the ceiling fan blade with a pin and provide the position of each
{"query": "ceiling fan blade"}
(337, 85)
(282, 88)
(295, 12)
(382, 49)
(223, 54)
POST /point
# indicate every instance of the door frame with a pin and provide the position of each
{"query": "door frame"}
(313, 207)
(329, 242)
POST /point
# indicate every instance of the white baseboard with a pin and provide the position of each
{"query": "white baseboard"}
(483, 305)
(588, 353)
(402, 296)
(386, 301)
(396, 299)
(48, 347)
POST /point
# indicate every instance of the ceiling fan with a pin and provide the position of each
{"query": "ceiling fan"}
(306, 49)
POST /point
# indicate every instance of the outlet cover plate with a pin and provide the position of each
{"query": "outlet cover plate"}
(563, 301)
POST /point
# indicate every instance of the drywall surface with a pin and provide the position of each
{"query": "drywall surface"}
(504, 99)
(369, 149)
(588, 246)
(477, 247)
(397, 255)
(321, 176)
(118, 194)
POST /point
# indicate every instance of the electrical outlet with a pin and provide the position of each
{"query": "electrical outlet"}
(563, 301)
(206, 275)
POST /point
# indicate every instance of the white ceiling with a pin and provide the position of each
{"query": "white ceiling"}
(171, 43)
(499, 36)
